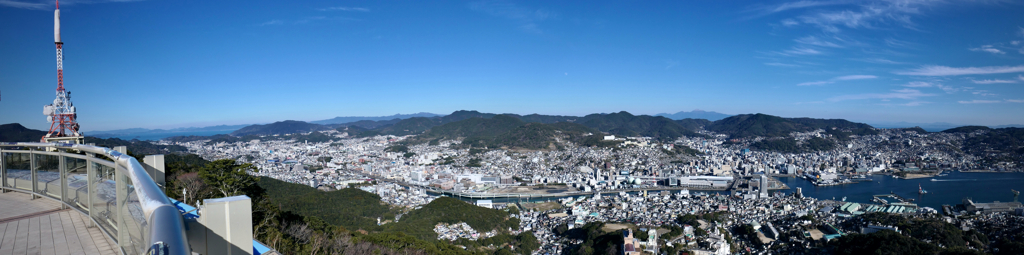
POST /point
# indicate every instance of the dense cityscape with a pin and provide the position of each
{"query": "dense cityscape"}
(639, 183)
(835, 127)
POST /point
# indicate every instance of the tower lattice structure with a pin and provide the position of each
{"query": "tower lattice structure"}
(61, 113)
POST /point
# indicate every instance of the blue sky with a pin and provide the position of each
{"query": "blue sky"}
(166, 64)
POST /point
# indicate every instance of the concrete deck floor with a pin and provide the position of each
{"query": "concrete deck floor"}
(39, 226)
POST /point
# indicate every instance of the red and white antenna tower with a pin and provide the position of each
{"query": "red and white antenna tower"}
(61, 114)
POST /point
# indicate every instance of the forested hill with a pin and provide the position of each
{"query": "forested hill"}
(750, 125)
(15, 132)
(136, 147)
(626, 124)
(504, 131)
(280, 128)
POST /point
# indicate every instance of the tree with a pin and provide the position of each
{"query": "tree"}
(193, 186)
(230, 178)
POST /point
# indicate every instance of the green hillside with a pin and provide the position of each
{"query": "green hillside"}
(626, 124)
(420, 222)
(751, 125)
(15, 132)
(280, 128)
(350, 208)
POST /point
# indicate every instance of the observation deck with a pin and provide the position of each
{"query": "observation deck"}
(40, 226)
(59, 198)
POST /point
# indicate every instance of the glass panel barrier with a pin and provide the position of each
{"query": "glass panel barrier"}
(134, 220)
(17, 166)
(78, 183)
(48, 175)
(104, 198)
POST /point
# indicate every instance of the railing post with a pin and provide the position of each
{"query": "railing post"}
(32, 171)
(3, 171)
(90, 172)
(156, 168)
(229, 225)
(123, 240)
(63, 166)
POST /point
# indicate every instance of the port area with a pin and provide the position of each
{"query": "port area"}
(822, 180)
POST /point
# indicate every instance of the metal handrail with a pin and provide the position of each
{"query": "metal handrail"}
(164, 222)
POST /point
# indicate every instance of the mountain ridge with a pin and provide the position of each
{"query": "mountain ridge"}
(695, 114)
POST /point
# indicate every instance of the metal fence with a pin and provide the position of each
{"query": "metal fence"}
(112, 188)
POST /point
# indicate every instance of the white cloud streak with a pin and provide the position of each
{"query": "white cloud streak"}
(348, 9)
(528, 19)
(855, 77)
(47, 5)
(780, 64)
(918, 84)
(950, 71)
(993, 81)
(813, 40)
(988, 48)
(802, 51)
(980, 102)
(840, 78)
(908, 94)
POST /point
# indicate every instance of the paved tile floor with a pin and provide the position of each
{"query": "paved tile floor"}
(39, 226)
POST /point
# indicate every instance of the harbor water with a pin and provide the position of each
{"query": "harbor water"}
(950, 189)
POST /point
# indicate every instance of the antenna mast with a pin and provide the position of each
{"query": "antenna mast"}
(61, 113)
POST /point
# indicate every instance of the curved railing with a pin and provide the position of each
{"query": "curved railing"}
(112, 188)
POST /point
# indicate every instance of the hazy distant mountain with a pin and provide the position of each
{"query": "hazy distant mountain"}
(15, 132)
(280, 128)
(695, 114)
(931, 127)
(144, 131)
(342, 120)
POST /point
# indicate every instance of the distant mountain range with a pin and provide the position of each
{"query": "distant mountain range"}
(930, 127)
(695, 114)
(341, 120)
(146, 131)
(280, 128)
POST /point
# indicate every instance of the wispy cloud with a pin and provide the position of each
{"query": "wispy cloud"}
(348, 9)
(840, 78)
(814, 40)
(26, 5)
(780, 64)
(49, 5)
(796, 5)
(815, 83)
(908, 94)
(950, 71)
(980, 102)
(993, 81)
(864, 14)
(272, 22)
(919, 84)
(1014, 100)
(855, 77)
(879, 61)
(988, 48)
(801, 51)
(525, 17)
